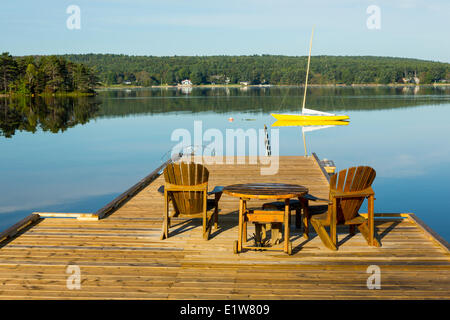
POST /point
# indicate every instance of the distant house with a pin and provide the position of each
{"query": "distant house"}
(186, 82)
(244, 83)
(408, 79)
(414, 79)
(127, 82)
(219, 78)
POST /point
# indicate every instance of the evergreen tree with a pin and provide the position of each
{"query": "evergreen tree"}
(8, 71)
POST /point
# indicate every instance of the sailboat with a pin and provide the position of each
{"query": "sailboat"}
(309, 114)
(308, 123)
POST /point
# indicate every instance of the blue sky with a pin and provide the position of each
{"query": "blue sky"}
(409, 28)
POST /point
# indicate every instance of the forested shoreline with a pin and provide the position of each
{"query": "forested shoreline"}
(45, 75)
(114, 69)
(80, 74)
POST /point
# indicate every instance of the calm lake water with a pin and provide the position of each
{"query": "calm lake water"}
(76, 155)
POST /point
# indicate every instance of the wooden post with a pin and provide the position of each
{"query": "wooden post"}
(267, 142)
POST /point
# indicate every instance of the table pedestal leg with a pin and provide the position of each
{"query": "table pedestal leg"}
(259, 234)
(241, 218)
(277, 232)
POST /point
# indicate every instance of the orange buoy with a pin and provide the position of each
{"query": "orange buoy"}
(230, 119)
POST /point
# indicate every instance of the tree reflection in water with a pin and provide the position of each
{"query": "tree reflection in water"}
(54, 114)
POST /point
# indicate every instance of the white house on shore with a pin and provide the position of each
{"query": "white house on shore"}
(186, 82)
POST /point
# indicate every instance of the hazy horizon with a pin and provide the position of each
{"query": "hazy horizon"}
(414, 29)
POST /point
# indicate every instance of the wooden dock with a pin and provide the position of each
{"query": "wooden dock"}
(121, 256)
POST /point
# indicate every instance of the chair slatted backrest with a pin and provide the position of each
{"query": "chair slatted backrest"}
(186, 174)
(348, 180)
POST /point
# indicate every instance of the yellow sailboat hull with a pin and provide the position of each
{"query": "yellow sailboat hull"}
(299, 117)
(303, 123)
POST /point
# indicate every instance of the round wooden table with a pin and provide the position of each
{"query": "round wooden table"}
(264, 191)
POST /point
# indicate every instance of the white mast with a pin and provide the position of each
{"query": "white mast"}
(307, 71)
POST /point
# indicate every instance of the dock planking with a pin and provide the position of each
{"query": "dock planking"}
(122, 257)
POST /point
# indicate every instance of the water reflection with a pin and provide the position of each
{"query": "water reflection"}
(87, 166)
(186, 90)
(309, 126)
(48, 114)
(55, 114)
(265, 100)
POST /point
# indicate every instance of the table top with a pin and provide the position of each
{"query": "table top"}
(266, 190)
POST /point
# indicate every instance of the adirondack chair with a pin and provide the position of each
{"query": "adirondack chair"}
(186, 186)
(348, 189)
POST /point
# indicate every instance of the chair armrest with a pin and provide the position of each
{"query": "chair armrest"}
(352, 194)
(197, 187)
(217, 189)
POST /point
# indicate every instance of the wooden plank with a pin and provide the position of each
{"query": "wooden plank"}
(322, 168)
(16, 228)
(430, 232)
(121, 256)
(78, 216)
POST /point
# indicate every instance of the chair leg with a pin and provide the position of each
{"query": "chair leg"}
(205, 217)
(164, 233)
(370, 220)
(165, 227)
(333, 223)
(244, 225)
(216, 210)
(287, 214)
(209, 226)
(364, 229)
(320, 229)
(216, 217)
